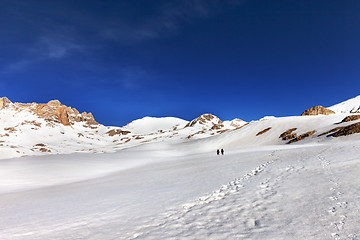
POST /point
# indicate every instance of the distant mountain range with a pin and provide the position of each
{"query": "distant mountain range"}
(53, 128)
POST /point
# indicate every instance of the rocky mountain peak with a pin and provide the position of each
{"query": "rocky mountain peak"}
(317, 110)
(205, 119)
(53, 111)
(54, 103)
(4, 102)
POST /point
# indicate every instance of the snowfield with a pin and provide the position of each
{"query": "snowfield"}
(303, 191)
(280, 178)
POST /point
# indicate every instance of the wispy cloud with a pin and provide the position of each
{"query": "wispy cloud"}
(55, 47)
(45, 48)
(16, 66)
(79, 31)
(168, 20)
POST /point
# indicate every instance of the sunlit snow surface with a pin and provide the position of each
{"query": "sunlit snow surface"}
(349, 106)
(307, 191)
(177, 187)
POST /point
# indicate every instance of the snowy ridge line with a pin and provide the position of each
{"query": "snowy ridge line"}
(231, 188)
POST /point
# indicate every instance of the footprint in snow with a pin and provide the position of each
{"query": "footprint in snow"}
(342, 204)
(332, 210)
(333, 198)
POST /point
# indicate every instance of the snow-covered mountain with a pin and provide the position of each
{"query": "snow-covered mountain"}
(167, 182)
(37, 129)
(40, 129)
(236, 123)
(350, 106)
(148, 125)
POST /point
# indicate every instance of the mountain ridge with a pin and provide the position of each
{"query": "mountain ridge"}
(53, 128)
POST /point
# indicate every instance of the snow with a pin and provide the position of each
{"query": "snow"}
(273, 192)
(234, 123)
(149, 125)
(261, 188)
(170, 184)
(350, 106)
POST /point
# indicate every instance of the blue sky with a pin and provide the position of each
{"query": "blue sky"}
(123, 60)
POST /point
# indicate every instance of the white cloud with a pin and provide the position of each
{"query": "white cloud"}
(167, 22)
(17, 66)
(47, 47)
(57, 47)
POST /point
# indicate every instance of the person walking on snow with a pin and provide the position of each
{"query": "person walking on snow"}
(222, 151)
(218, 152)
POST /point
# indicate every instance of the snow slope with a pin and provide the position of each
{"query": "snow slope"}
(25, 134)
(272, 192)
(149, 125)
(42, 129)
(234, 123)
(350, 106)
(172, 185)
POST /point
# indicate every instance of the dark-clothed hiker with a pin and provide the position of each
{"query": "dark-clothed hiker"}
(218, 152)
(222, 151)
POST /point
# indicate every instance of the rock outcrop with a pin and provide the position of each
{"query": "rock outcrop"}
(206, 119)
(288, 134)
(302, 136)
(4, 102)
(114, 132)
(351, 118)
(263, 131)
(293, 137)
(348, 130)
(53, 111)
(330, 131)
(317, 110)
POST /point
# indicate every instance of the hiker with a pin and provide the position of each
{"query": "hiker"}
(222, 151)
(218, 152)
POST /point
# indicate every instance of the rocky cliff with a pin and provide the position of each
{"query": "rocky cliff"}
(53, 111)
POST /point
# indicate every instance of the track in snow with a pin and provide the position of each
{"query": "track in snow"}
(338, 208)
(220, 214)
(265, 203)
(305, 193)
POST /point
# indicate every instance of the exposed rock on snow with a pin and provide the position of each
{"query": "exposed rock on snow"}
(351, 118)
(330, 131)
(263, 131)
(317, 110)
(208, 123)
(114, 132)
(4, 102)
(288, 134)
(302, 136)
(348, 130)
(206, 120)
(293, 137)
